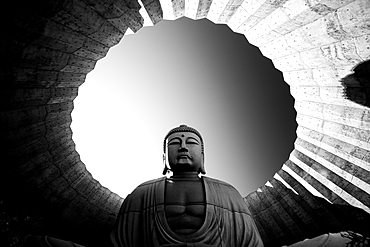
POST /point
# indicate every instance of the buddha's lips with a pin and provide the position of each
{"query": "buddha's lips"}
(184, 155)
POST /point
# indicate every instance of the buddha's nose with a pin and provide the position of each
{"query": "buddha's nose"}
(183, 147)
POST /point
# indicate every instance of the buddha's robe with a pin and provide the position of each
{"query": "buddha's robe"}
(142, 220)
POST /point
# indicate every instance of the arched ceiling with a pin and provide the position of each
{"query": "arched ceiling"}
(49, 48)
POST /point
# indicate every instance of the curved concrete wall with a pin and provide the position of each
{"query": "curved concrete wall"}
(51, 47)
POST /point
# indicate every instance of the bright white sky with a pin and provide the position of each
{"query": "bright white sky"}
(157, 79)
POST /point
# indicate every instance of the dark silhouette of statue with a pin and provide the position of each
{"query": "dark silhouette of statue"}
(185, 209)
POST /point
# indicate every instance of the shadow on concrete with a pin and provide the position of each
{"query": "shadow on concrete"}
(357, 85)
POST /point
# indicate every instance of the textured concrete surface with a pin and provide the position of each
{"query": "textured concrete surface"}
(322, 48)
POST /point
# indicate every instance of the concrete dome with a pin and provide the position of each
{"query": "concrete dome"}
(322, 49)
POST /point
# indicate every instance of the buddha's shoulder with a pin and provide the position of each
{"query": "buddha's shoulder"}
(144, 186)
(142, 190)
(222, 186)
(219, 182)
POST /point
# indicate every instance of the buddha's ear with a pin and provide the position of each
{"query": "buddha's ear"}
(202, 170)
(165, 170)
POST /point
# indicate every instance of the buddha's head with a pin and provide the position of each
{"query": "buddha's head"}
(183, 150)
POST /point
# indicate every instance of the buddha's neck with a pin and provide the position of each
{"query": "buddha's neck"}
(185, 176)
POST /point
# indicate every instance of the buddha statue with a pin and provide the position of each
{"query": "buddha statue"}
(185, 209)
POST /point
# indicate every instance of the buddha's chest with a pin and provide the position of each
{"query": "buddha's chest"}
(185, 205)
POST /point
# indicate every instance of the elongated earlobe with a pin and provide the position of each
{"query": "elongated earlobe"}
(202, 169)
(165, 170)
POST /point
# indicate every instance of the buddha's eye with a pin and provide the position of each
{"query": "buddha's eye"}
(174, 143)
(192, 141)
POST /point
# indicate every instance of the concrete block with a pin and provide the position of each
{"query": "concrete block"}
(75, 173)
(78, 64)
(191, 8)
(61, 149)
(168, 13)
(102, 217)
(41, 178)
(289, 63)
(59, 95)
(54, 110)
(98, 198)
(304, 93)
(319, 210)
(92, 188)
(63, 35)
(107, 35)
(277, 48)
(23, 98)
(178, 7)
(348, 131)
(87, 54)
(27, 133)
(313, 109)
(314, 58)
(31, 78)
(280, 22)
(362, 44)
(154, 10)
(261, 8)
(20, 152)
(38, 57)
(59, 44)
(79, 16)
(230, 9)
(114, 9)
(38, 162)
(216, 9)
(238, 18)
(81, 184)
(69, 162)
(261, 34)
(15, 119)
(248, 24)
(327, 189)
(347, 115)
(268, 220)
(300, 216)
(330, 76)
(312, 134)
(110, 203)
(61, 201)
(341, 53)
(285, 220)
(299, 39)
(354, 19)
(95, 46)
(67, 79)
(302, 13)
(54, 188)
(296, 78)
(130, 19)
(58, 131)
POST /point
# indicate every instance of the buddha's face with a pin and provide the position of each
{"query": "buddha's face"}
(184, 152)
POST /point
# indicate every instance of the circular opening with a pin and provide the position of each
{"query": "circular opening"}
(184, 72)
